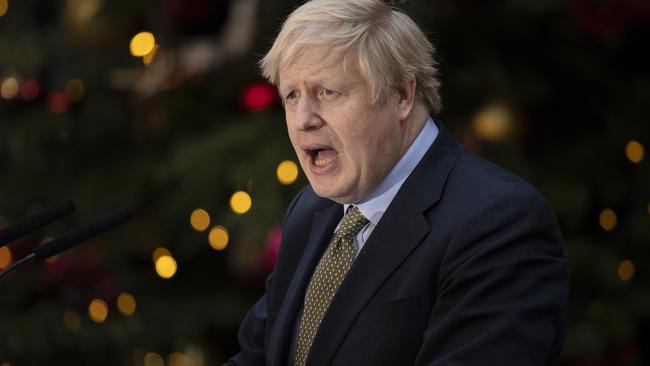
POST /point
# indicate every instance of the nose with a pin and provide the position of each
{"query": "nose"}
(307, 114)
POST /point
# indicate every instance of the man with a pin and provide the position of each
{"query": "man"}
(405, 249)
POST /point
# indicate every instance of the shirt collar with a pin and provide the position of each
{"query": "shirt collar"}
(375, 204)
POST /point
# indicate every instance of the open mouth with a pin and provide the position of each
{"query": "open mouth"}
(322, 157)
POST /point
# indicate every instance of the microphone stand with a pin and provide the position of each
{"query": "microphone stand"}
(74, 237)
(28, 259)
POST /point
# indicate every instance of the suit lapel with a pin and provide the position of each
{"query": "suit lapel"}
(398, 233)
(321, 232)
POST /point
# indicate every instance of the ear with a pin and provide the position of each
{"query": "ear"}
(406, 98)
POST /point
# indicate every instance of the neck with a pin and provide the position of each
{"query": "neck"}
(413, 125)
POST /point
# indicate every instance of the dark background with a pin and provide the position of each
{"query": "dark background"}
(555, 90)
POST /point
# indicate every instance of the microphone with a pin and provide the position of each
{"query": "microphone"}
(113, 219)
(29, 224)
(74, 237)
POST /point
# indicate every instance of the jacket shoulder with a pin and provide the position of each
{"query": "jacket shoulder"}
(478, 180)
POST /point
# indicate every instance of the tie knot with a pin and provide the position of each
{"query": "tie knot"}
(353, 221)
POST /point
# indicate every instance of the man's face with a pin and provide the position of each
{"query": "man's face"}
(345, 146)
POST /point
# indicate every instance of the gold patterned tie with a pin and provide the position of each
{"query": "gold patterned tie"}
(326, 279)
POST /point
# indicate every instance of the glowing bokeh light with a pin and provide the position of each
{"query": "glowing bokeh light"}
(634, 151)
(29, 90)
(75, 90)
(4, 7)
(218, 237)
(240, 202)
(58, 103)
(98, 310)
(287, 172)
(179, 359)
(200, 219)
(81, 12)
(142, 43)
(9, 88)
(626, 270)
(159, 252)
(259, 96)
(166, 266)
(149, 57)
(5, 257)
(153, 359)
(126, 304)
(71, 320)
(607, 219)
(493, 123)
(5, 364)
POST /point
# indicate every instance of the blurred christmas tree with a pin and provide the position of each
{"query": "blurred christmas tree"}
(158, 105)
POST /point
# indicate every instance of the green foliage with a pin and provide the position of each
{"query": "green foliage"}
(575, 96)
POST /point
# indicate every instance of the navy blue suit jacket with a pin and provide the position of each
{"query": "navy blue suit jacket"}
(466, 267)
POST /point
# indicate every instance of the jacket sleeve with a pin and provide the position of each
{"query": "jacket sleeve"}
(254, 328)
(251, 335)
(503, 287)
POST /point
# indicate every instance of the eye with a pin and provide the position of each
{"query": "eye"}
(291, 95)
(328, 92)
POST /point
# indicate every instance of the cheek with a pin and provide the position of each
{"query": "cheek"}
(290, 130)
(365, 149)
(353, 127)
(382, 143)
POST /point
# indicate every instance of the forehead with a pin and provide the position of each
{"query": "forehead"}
(316, 62)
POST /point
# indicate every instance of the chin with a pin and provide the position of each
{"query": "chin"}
(336, 196)
(323, 192)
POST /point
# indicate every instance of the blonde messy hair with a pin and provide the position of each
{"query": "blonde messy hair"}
(384, 43)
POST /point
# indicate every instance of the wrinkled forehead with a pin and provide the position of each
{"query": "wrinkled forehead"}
(313, 54)
(316, 56)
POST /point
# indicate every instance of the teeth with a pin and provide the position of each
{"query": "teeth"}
(321, 162)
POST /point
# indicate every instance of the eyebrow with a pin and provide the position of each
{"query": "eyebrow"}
(336, 82)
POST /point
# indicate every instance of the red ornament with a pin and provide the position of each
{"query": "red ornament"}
(273, 238)
(58, 103)
(29, 90)
(259, 96)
